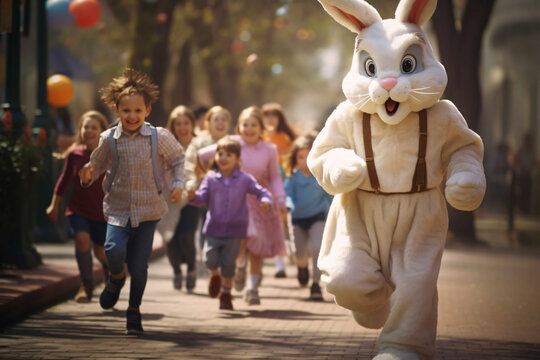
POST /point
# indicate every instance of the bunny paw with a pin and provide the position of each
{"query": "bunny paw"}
(465, 191)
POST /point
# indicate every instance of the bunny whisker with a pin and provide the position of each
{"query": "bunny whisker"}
(360, 97)
(424, 92)
(414, 97)
(361, 102)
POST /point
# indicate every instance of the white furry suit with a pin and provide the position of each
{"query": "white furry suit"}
(381, 253)
(386, 229)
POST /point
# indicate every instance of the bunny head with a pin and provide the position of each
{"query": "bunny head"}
(394, 71)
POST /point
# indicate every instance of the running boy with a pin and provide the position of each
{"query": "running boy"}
(132, 153)
(224, 190)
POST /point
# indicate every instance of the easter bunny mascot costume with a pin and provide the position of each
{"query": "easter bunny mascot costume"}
(383, 153)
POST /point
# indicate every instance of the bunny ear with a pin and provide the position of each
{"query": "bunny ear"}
(415, 11)
(355, 15)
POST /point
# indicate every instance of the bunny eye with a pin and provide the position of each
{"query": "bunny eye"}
(408, 64)
(370, 67)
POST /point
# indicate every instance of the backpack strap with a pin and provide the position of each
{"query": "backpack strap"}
(154, 147)
(419, 182)
(114, 157)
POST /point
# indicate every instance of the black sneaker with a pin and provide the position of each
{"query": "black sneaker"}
(110, 294)
(280, 274)
(315, 292)
(177, 281)
(190, 282)
(303, 276)
(133, 323)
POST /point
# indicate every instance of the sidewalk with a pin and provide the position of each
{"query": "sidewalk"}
(488, 309)
(25, 291)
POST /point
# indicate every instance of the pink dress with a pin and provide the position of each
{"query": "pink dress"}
(265, 232)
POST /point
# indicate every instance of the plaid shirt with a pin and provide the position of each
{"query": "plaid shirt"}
(133, 195)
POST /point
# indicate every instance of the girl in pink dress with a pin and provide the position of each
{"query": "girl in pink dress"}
(265, 233)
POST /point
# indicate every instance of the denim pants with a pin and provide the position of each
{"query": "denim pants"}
(133, 246)
(222, 252)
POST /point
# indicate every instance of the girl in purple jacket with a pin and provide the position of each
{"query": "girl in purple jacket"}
(224, 191)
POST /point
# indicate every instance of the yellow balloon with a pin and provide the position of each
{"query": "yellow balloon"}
(59, 90)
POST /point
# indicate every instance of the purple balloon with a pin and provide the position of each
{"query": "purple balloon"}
(58, 16)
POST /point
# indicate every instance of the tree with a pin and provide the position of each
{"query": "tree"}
(460, 43)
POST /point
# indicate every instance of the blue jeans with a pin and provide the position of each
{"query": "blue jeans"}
(96, 229)
(133, 246)
(222, 252)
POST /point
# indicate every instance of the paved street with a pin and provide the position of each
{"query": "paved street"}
(489, 309)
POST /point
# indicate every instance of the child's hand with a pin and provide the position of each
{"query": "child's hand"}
(265, 206)
(191, 195)
(86, 173)
(283, 214)
(52, 212)
(176, 195)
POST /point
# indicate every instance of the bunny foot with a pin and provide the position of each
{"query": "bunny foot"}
(374, 319)
(394, 354)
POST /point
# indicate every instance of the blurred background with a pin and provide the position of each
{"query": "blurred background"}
(237, 53)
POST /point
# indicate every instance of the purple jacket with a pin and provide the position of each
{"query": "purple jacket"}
(225, 197)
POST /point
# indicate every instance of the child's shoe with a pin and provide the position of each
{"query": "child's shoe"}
(240, 278)
(177, 281)
(133, 323)
(85, 292)
(110, 294)
(303, 276)
(252, 297)
(280, 274)
(214, 285)
(225, 301)
(315, 292)
(190, 281)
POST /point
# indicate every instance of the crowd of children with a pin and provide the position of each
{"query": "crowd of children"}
(238, 189)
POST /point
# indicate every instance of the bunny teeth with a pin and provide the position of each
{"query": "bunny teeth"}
(391, 106)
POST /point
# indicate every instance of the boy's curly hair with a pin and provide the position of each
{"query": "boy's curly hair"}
(132, 82)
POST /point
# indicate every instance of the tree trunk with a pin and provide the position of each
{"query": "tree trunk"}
(213, 39)
(150, 51)
(460, 53)
(183, 93)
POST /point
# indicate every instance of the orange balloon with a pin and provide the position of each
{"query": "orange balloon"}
(59, 90)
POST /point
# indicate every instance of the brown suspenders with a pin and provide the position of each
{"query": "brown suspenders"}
(419, 182)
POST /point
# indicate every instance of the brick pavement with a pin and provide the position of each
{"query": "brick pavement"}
(488, 309)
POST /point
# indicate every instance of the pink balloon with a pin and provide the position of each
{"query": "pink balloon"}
(252, 58)
(86, 12)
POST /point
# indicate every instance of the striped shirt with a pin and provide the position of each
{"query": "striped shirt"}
(133, 195)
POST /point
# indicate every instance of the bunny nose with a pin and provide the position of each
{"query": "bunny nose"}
(388, 83)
